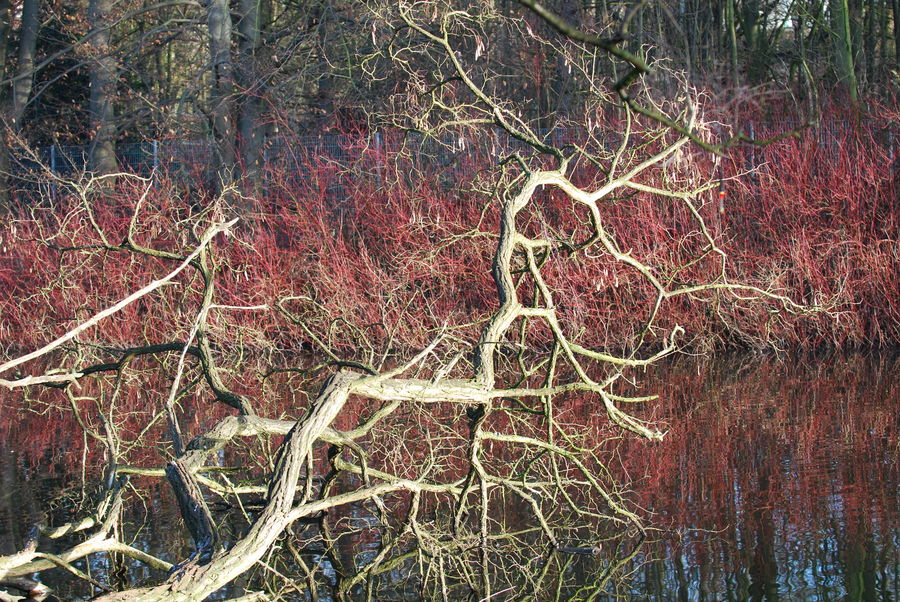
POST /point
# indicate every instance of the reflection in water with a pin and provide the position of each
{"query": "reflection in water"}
(778, 480)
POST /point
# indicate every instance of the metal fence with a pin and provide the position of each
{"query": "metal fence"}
(299, 154)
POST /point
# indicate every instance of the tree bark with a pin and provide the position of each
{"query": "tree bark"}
(895, 6)
(249, 127)
(20, 88)
(843, 46)
(103, 74)
(222, 91)
(194, 510)
(194, 581)
(4, 36)
(732, 42)
(5, 31)
(21, 91)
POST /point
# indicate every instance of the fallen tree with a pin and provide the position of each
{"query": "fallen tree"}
(487, 436)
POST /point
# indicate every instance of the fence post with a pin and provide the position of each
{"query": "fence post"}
(53, 171)
(752, 132)
(155, 155)
(890, 143)
(378, 157)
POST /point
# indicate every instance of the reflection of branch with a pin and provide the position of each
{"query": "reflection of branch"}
(588, 474)
(194, 511)
(29, 561)
(94, 545)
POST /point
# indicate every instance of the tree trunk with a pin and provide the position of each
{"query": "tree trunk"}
(855, 24)
(222, 92)
(732, 42)
(20, 88)
(21, 91)
(103, 74)
(5, 15)
(561, 78)
(249, 127)
(844, 63)
(806, 77)
(870, 39)
(896, 10)
(882, 74)
(4, 150)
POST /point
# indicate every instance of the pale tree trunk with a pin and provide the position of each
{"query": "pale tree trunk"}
(103, 73)
(222, 92)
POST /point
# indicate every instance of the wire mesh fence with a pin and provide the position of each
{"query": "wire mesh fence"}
(301, 157)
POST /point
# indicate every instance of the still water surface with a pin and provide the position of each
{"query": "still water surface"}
(778, 480)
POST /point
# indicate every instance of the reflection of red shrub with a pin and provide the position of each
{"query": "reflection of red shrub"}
(804, 444)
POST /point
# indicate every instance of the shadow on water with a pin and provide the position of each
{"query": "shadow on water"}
(778, 480)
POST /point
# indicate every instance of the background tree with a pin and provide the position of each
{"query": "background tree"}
(182, 70)
(16, 98)
(104, 76)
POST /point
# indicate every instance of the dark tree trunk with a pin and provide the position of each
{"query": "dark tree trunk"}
(896, 9)
(732, 43)
(5, 31)
(21, 84)
(843, 46)
(27, 44)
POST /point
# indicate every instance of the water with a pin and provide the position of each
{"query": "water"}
(778, 480)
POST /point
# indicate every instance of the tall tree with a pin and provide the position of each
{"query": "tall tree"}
(222, 89)
(250, 132)
(103, 74)
(895, 7)
(15, 98)
(843, 44)
(732, 42)
(21, 88)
